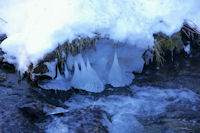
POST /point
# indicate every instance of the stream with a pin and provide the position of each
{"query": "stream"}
(162, 99)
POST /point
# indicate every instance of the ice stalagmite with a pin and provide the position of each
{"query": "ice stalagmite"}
(86, 78)
(66, 73)
(117, 77)
(76, 77)
(93, 84)
(70, 61)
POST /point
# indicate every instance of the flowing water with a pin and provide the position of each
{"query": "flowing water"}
(158, 103)
(164, 100)
(125, 114)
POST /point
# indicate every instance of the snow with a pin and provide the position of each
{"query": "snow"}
(36, 27)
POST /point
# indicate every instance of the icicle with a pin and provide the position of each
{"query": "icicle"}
(116, 76)
(59, 76)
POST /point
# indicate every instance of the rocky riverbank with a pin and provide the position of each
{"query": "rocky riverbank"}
(26, 108)
(162, 99)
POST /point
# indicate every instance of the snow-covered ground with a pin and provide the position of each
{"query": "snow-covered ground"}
(36, 27)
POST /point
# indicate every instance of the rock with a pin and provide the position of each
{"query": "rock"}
(2, 37)
(173, 126)
(191, 36)
(33, 111)
(167, 48)
(41, 69)
(85, 120)
(3, 76)
(13, 96)
(9, 68)
(182, 71)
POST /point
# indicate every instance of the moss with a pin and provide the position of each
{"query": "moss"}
(158, 53)
(41, 68)
(163, 43)
(60, 54)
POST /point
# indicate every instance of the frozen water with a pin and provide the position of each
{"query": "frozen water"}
(130, 57)
(148, 57)
(66, 72)
(86, 78)
(52, 68)
(36, 27)
(57, 127)
(98, 67)
(76, 80)
(126, 123)
(129, 60)
(60, 83)
(70, 61)
(117, 77)
(187, 49)
(101, 59)
(93, 83)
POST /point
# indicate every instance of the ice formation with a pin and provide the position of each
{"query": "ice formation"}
(93, 82)
(85, 77)
(91, 71)
(77, 76)
(36, 27)
(59, 83)
(117, 77)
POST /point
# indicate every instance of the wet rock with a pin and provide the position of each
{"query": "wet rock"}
(173, 126)
(173, 122)
(110, 90)
(1, 55)
(52, 97)
(3, 76)
(41, 69)
(192, 37)
(177, 74)
(19, 108)
(92, 120)
(33, 111)
(9, 68)
(2, 37)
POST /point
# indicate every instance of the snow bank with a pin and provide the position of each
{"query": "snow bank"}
(36, 27)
